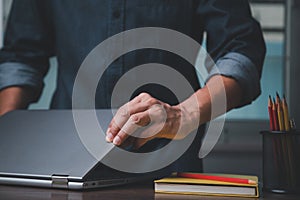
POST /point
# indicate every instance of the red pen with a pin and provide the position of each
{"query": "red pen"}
(216, 178)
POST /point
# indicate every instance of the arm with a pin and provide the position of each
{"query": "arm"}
(174, 122)
(235, 43)
(13, 98)
(24, 59)
(211, 92)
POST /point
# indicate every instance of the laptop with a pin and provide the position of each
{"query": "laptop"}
(42, 148)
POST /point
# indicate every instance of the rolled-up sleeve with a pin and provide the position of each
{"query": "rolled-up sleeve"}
(240, 68)
(28, 45)
(19, 74)
(235, 43)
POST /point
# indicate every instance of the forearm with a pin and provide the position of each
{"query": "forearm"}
(13, 98)
(199, 105)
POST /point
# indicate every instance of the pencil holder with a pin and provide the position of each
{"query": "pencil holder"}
(281, 161)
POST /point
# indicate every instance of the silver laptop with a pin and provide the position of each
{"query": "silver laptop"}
(42, 148)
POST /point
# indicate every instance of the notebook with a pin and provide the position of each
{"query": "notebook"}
(42, 148)
(192, 186)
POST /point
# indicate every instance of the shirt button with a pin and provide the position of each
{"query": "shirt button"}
(116, 14)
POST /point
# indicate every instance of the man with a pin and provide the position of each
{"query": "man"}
(69, 30)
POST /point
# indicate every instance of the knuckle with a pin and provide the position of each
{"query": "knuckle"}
(134, 119)
(157, 108)
(167, 106)
(123, 111)
(144, 95)
(114, 128)
(152, 101)
(160, 110)
(137, 98)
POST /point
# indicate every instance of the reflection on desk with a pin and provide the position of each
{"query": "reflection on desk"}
(142, 191)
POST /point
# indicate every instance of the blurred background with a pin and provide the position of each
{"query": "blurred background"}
(240, 143)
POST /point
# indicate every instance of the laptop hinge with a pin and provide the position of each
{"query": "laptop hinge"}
(59, 181)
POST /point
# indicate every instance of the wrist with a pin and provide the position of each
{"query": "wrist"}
(190, 113)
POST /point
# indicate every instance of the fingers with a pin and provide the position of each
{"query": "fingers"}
(124, 113)
(133, 123)
(149, 123)
(129, 118)
(146, 118)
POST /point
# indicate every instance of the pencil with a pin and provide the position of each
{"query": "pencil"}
(270, 105)
(285, 114)
(216, 178)
(279, 113)
(275, 119)
(277, 98)
(280, 118)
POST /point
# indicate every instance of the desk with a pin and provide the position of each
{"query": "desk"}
(142, 191)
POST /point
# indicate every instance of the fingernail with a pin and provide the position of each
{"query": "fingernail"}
(117, 140)
(109, 137)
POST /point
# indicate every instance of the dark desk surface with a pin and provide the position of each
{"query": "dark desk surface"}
(135, 191)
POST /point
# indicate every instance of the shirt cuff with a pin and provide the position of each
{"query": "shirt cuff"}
(242, 69)
(19, 74)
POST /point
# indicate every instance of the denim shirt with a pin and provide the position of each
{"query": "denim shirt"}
(70, 29)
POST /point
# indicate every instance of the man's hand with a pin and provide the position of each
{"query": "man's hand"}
(146, 118)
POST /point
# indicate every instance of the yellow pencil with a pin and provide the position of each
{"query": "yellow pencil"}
(280, 113)
(286, 114)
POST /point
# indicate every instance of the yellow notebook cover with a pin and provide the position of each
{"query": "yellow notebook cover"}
(178, 185)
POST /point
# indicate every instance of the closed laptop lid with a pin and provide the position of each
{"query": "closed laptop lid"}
(43, 143)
